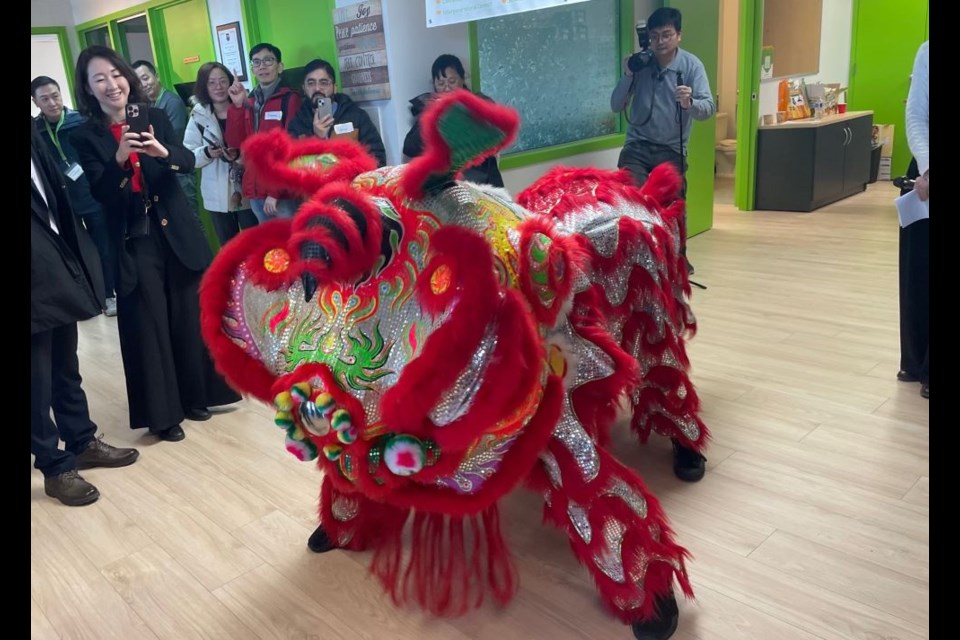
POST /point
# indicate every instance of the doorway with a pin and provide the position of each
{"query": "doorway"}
(727, 102)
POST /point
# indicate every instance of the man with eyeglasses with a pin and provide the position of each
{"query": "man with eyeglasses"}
(346, 119)
(269, 107)
(669, 93)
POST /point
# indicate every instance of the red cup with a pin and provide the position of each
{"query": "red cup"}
(842, 107)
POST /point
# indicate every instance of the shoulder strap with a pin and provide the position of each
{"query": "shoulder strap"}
(284, 104)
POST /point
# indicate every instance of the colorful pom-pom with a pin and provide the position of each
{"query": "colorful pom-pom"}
(340, 420)
(404, 455)
(325, 404)
(283, 419)
(332, 451)
(283, 401)
(302, 450)
(347, 436)
(301, 391)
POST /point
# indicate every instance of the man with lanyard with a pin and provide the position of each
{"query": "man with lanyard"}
(269, 107)
(670, 90)
(171, 104)
(54, 126)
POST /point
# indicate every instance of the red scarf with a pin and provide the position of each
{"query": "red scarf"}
(117, 130)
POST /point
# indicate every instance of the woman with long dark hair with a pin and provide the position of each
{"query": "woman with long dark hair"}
(162, 248)
(220, 170)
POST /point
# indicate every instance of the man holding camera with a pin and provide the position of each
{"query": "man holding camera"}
(670, 90)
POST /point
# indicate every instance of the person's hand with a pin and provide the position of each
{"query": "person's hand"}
(322, 127)
(922, 186)
(230, 155)
(684, 96)
(626, 68)
(214, 152)
(238, 93)
(270, 206)
(129, 143)
(151, 146)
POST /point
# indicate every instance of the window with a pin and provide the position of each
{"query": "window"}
(557, 68)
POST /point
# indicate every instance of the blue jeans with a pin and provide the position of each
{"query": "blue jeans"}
(285, 209)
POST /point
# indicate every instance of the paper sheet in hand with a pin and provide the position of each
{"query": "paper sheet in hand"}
(911, 208)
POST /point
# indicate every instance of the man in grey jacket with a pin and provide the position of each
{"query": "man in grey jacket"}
(669, 90)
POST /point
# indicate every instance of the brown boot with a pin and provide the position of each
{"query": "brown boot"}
(100, 454)
(70, 489)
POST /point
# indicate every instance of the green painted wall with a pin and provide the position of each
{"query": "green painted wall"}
(886, 36)
(303, 31)
(184, 31)
(701, 29)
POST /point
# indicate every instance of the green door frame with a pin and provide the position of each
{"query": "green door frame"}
(748, 102)
(65, 50)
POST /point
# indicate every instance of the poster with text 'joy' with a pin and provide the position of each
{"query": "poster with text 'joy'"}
(362, 51)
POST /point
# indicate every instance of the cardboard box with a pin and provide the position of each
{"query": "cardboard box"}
(883, 135)
(885, 165)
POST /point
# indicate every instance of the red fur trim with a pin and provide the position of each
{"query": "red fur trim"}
(436, 158)
(441, 575)
(663, 184)
(239, 369)
(346, 263)
(269, 156)
(449, 348)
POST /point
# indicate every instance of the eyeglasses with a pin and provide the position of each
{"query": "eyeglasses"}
(319, 83)
(263, 62)
(447, 82)
(662, 37)
(222, 82)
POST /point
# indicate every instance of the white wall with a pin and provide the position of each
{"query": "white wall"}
(411, 50)
(836, 38)
(87, 10)
(225, 12)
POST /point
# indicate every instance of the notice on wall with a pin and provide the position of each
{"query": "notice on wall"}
(232, 55)
(362, 51)
(443, 12)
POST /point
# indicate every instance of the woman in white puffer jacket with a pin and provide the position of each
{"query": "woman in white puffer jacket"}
(220, 171)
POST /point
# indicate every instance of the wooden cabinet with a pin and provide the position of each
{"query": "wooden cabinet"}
(804, 165)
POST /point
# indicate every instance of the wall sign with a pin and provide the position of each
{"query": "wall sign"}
(442, 12)
(362, 51)
(231, 49)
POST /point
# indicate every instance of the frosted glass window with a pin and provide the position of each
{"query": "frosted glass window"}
(557, 67)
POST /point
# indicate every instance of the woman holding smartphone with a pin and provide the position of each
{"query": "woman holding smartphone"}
(162, 249)
(220, 171)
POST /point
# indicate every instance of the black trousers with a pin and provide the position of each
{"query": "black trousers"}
(915, 299)
(165, 363)
(227, 224)
(55, 384)
(641, 158)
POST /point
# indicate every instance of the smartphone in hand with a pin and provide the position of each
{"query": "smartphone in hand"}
(323, 106)
(138, 117)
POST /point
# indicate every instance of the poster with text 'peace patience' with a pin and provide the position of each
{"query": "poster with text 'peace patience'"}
(441, 12)
(362, 51)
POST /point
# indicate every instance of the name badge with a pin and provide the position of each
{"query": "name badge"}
(273, 115)
(344, 127)
(74, 171)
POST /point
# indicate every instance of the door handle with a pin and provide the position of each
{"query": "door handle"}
(848, 136)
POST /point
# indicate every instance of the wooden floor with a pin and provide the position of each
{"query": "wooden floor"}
(812, 521)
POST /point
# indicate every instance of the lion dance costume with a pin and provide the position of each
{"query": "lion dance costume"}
(433, 344)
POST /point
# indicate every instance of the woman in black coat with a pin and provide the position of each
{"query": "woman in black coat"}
(448, 75)
(162, 249)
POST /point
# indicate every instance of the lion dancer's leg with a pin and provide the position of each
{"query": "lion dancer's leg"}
(666, 401)
(617, 530)
(351, 521)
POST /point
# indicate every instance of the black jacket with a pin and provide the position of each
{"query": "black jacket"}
(127, 210)
(66, 283)
(485, 173)
(347, 111)
(81, 200)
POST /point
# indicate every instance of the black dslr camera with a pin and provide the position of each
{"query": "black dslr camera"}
(644, 57)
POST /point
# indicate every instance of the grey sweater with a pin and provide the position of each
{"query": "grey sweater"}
(658, 87)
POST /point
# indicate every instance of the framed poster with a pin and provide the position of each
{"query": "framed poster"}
(231, 49)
